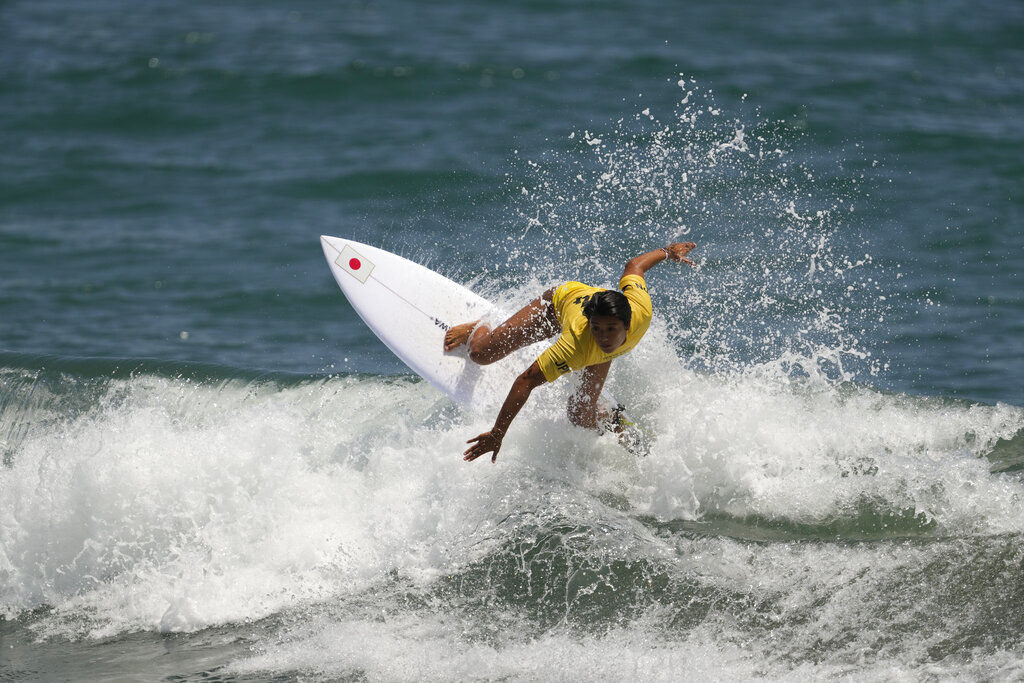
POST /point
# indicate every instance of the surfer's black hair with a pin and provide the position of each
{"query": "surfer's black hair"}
(609, 302)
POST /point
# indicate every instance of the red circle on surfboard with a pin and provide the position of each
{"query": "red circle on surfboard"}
(354, 264)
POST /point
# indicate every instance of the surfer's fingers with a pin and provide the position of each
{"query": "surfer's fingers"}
(477, 449)
(475, 452)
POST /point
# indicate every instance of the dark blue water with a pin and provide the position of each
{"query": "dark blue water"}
(213, 469)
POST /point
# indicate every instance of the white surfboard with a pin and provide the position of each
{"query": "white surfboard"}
(409, 307)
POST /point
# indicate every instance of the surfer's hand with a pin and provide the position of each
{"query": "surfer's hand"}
(678, 251)
(485, 443)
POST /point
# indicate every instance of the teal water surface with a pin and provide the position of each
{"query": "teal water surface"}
(212, 470)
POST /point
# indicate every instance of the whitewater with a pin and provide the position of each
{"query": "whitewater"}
(811, 523)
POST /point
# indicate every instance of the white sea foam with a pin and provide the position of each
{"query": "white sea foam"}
(174, 505)
(433, 649)
(178, 506)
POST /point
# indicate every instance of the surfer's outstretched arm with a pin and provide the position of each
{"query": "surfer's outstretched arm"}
(677, 251)
(521, 389)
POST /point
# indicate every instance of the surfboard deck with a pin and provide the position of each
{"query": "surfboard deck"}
(410, 307)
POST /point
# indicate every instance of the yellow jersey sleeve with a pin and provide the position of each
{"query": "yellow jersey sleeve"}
(635, 289)
(554, 362)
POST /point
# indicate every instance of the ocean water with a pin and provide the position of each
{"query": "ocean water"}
(213, 471)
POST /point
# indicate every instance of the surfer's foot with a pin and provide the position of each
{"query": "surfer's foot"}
(458, 335)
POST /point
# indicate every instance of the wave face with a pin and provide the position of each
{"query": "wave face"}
(807, 523)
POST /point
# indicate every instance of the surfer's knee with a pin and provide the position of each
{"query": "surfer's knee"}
(484, 349)
(482, 356)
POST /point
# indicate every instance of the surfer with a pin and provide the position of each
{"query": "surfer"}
(595, 325)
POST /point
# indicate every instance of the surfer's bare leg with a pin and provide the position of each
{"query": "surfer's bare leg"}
(583, 408)
(533, 323)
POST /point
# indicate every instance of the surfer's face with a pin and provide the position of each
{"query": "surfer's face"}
(608, 331)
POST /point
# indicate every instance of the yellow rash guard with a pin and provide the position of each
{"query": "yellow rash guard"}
(575, 348)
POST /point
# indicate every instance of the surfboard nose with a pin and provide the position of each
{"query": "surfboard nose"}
(330, 250)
